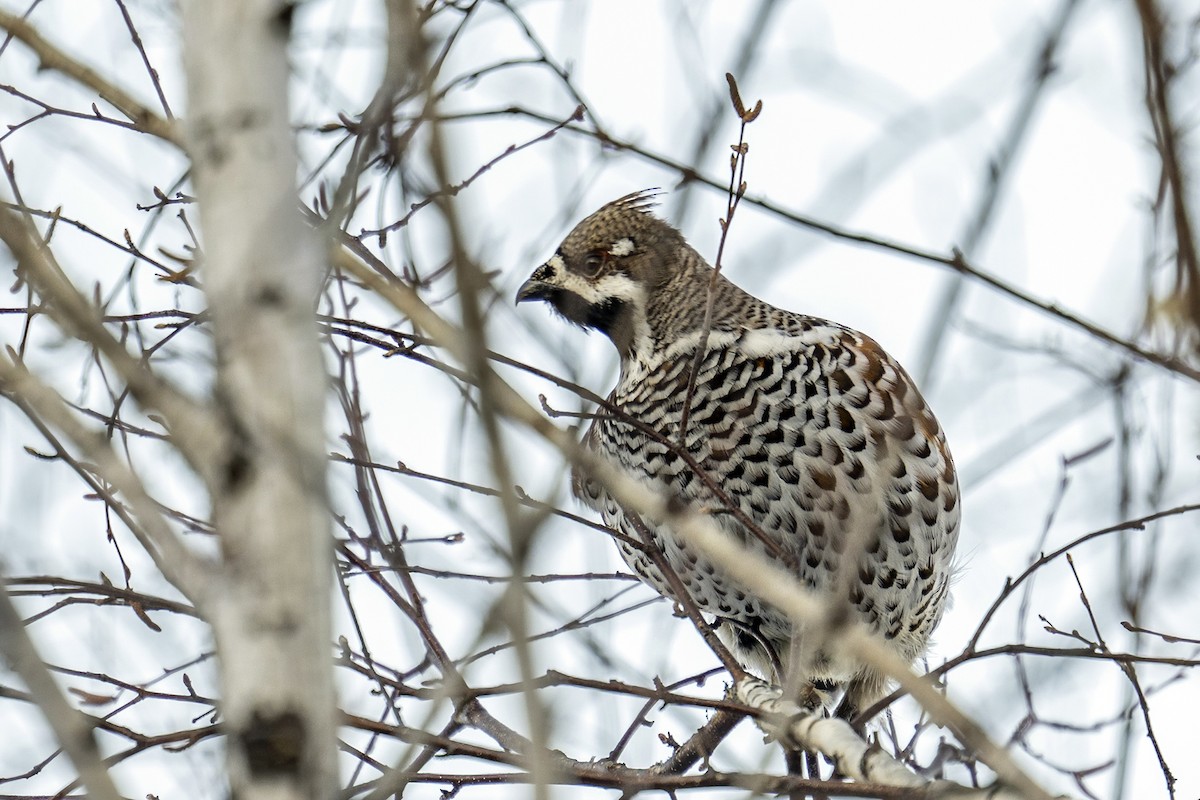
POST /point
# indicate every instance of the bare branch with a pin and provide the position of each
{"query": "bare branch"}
(71, 727)
(188, 572)
(53, 58)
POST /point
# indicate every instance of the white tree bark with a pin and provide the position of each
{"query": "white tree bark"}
(261, 271)
(856, 759)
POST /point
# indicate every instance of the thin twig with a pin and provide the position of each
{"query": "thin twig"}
(734, 194)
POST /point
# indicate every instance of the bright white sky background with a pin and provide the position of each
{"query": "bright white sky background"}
(880, 118)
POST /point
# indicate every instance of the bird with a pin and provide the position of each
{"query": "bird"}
(804, 440)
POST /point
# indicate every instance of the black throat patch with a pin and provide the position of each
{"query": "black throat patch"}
(610, 316)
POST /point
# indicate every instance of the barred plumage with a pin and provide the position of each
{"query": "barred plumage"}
(807, 427)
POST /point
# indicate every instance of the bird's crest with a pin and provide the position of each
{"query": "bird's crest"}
(644, 200)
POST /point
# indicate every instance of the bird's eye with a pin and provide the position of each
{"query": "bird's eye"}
(594, 263)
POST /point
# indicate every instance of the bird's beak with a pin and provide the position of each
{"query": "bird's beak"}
(537, 287)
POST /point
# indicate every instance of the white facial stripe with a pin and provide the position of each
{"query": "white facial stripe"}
(614, 286)
(621, 287)
(557, 264)
(622, 248)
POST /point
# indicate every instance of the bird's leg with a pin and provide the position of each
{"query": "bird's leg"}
(804, 764)
(848, 710)
(795, 760)
(861, 693)
(813, 764)
(812, 696)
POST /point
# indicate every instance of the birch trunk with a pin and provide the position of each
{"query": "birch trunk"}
(261, 271)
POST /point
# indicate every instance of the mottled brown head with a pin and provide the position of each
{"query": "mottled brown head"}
(604, 273)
